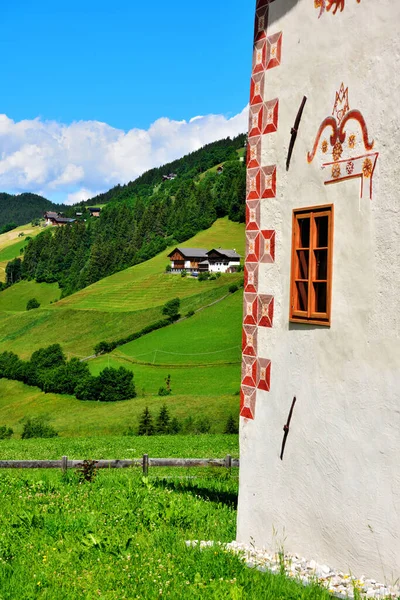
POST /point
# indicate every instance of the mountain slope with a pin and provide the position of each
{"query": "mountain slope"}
(23, 208)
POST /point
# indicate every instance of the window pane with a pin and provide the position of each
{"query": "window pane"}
(321, 264)
(302, 296)
(304, 233)
(320, 297)
(321, 224)
(302, 260)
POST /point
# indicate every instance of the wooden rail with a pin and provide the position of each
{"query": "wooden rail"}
(145, 462)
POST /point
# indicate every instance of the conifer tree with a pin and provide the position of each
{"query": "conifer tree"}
(146, 426)
(163, 420)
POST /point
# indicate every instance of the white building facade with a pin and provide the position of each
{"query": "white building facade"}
(322, 278)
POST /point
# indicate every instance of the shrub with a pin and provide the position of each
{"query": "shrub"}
(231, 425)
(171, 309)
(163, 420)
(190, 313)
(174, 426)
(32, 303)
(87, 472)
(213, 277)
(168, 269)
(183, 273)
(5, 432)
(233, 288)
(203, 276)
(202, 425)
(163, 391)
(47, 358)
(38, 428)
(103, 348)
(146, 426)
(217, 275)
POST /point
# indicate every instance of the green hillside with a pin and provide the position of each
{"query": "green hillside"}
(147, 284)
(15, 298)
(116, 306)
(23, 208)
(11, 244)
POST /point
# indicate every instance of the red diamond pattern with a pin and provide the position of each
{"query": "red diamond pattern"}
(254, 152)
(259, 56)
(270, 116)
(251, 278)
(261, 23)
(252, 246)
(264, 374)
(265, 310)
(256, 119)
(273, 51)
(250, 309)
(249, 371)
(253, 215)
(249, 340)
(247, 402)
(267, 246)
(268, 181)
(253, 184)
(257, 89)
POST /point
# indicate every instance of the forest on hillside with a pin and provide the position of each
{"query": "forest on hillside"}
(135, 227)
(23, 208)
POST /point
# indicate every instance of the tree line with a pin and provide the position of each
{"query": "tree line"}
(49, 370)
(132, 230)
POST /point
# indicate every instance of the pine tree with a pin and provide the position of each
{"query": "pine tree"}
(231, 425)
(163, 420)
(146, 426)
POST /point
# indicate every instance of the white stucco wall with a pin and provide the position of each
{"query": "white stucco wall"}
(220, 267)
(336, 495)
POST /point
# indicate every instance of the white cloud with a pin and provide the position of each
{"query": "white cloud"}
(73, 162)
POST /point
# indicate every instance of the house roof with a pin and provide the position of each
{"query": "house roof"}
(50, 214)
(228, 253)
(191, 252)
(63, 220)
(94, 209)
(204, 262)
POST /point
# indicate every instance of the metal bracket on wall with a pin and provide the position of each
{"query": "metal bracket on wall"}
(286, 428)
(294, 131)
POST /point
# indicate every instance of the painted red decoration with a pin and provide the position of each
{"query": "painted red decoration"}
(343, 167)
(253, 184)
(273, 51)
(251, 277)
(247, 402)
(256, 114)
(264, 374)
(249, 371)
(252, 246)
(257, 85)
(268, 182)
(267, 246)
(253, 215)
(254, 152)
(250, 309)
(259, 56)
(261, 23)
(270, 116)
(249, 340)
(326, 5)
(265, 311)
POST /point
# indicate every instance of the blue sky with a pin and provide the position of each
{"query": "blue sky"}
(124, 62)
(94, 93)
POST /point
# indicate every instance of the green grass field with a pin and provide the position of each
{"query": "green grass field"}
(211, 336)
(10, 245)
(122, 536)
(15, 298)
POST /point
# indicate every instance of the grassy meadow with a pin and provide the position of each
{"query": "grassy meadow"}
(11, 244)
(16, 297)
(122, 535)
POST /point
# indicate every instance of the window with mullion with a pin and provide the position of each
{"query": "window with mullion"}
(311, 265)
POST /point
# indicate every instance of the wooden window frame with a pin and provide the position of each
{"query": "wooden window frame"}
(311, 316)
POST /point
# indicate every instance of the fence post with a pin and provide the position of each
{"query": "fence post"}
(145, 464)
(228, 461)
(64, 464)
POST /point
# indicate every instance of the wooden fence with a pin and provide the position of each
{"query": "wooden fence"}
(144, 463)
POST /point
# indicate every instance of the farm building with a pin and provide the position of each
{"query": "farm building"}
(53, 218)
(220, 261)
(94, 212)
(199, 259)
(187, 259)
(320, 396)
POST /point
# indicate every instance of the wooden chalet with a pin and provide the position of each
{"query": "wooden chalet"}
(187, 259)
(56, 219)
(94, 212)
(223, 261)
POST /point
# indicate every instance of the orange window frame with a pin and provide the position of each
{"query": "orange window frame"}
(311, 268)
